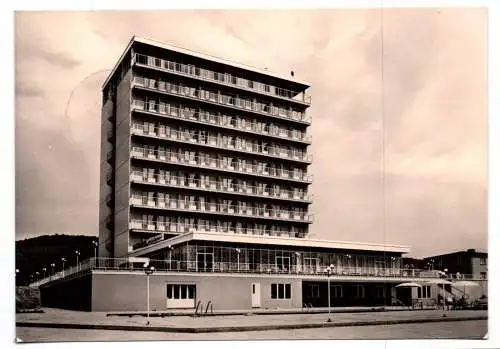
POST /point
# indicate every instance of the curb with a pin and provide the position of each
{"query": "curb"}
(235, 313)
(239, 328)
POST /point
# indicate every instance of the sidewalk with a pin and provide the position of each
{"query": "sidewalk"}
(188, 324)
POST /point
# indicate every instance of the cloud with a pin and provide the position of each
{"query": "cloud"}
(28, 90)
(416, 128)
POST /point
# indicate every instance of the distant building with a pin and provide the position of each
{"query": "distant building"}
(470, 263)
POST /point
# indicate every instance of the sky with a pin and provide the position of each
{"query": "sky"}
(399, 113)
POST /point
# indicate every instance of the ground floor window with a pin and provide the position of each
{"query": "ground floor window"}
(424, 292)
(281, 291)
(175, 291)
(359, 291)
(336, 291)
(380, 292)
(313, 291)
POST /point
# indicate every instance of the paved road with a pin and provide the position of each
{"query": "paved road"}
(443, 330)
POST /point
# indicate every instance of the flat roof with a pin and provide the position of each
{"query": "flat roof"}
(208, 57)
(271, 240)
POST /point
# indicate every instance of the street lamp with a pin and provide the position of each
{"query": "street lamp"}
(329, 270)
(37, 273)
(63, 260)
(238, 257)
(53, 265)
(44, 270)
(96, 244)
(77, 255)
(444, 291)
(170, 248)
(148, 270)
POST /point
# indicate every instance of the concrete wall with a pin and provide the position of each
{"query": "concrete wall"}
(122, 166)
(73, 294)
(105, 234)
(128, 291)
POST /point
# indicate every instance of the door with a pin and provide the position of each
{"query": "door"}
(256, 295)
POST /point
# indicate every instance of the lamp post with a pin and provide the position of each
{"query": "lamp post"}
(44, 270)
(63, 260)
(95, 244)
(238, 258)
(329, 271)
(36, 278)
(77, 255)
(148, 270)
(444, 291)
(53, 265)
(17, 272)
(170, 248)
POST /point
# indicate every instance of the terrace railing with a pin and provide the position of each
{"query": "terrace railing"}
(129, 265)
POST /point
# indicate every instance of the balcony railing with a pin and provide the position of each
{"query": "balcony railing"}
(158, 226)
(213, 208)
(221, 99)
(221, 78)
(218, 164)
(233, 123)
(218, 186)
(216, 143)
(128, 265)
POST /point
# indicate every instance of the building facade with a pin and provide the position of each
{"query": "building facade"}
(191, 143)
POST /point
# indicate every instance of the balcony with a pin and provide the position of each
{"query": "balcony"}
(110, 157)
(216, 143)
(206, 162)
(177, 228)
(205, 118)
(218, 187)
(109, 221)
(220, 100)
(109, 200)
(109, 178)
(109, 135)
(219, 209)
(220, 78)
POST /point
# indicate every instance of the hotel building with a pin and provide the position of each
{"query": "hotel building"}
(205, 176)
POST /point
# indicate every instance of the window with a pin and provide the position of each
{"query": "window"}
(482, 261)
(483, 275)
(314, 291)
(380, 292)
(359, 291)
(424, 292)
(176, 291)
(281, 291)
(336, 291)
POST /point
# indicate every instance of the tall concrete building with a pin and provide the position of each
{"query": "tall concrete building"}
(195, 143)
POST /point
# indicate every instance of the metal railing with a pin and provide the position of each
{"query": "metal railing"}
(216, 143)
(221, 78)
(219, 186)
(204, 160)
(224, 121)
(158, 226)
(126, 264)
(211, 207)
(220, 99)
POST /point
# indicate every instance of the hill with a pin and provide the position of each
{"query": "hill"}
(34, 254)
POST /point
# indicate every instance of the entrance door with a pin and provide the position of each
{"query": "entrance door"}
(256, 295)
